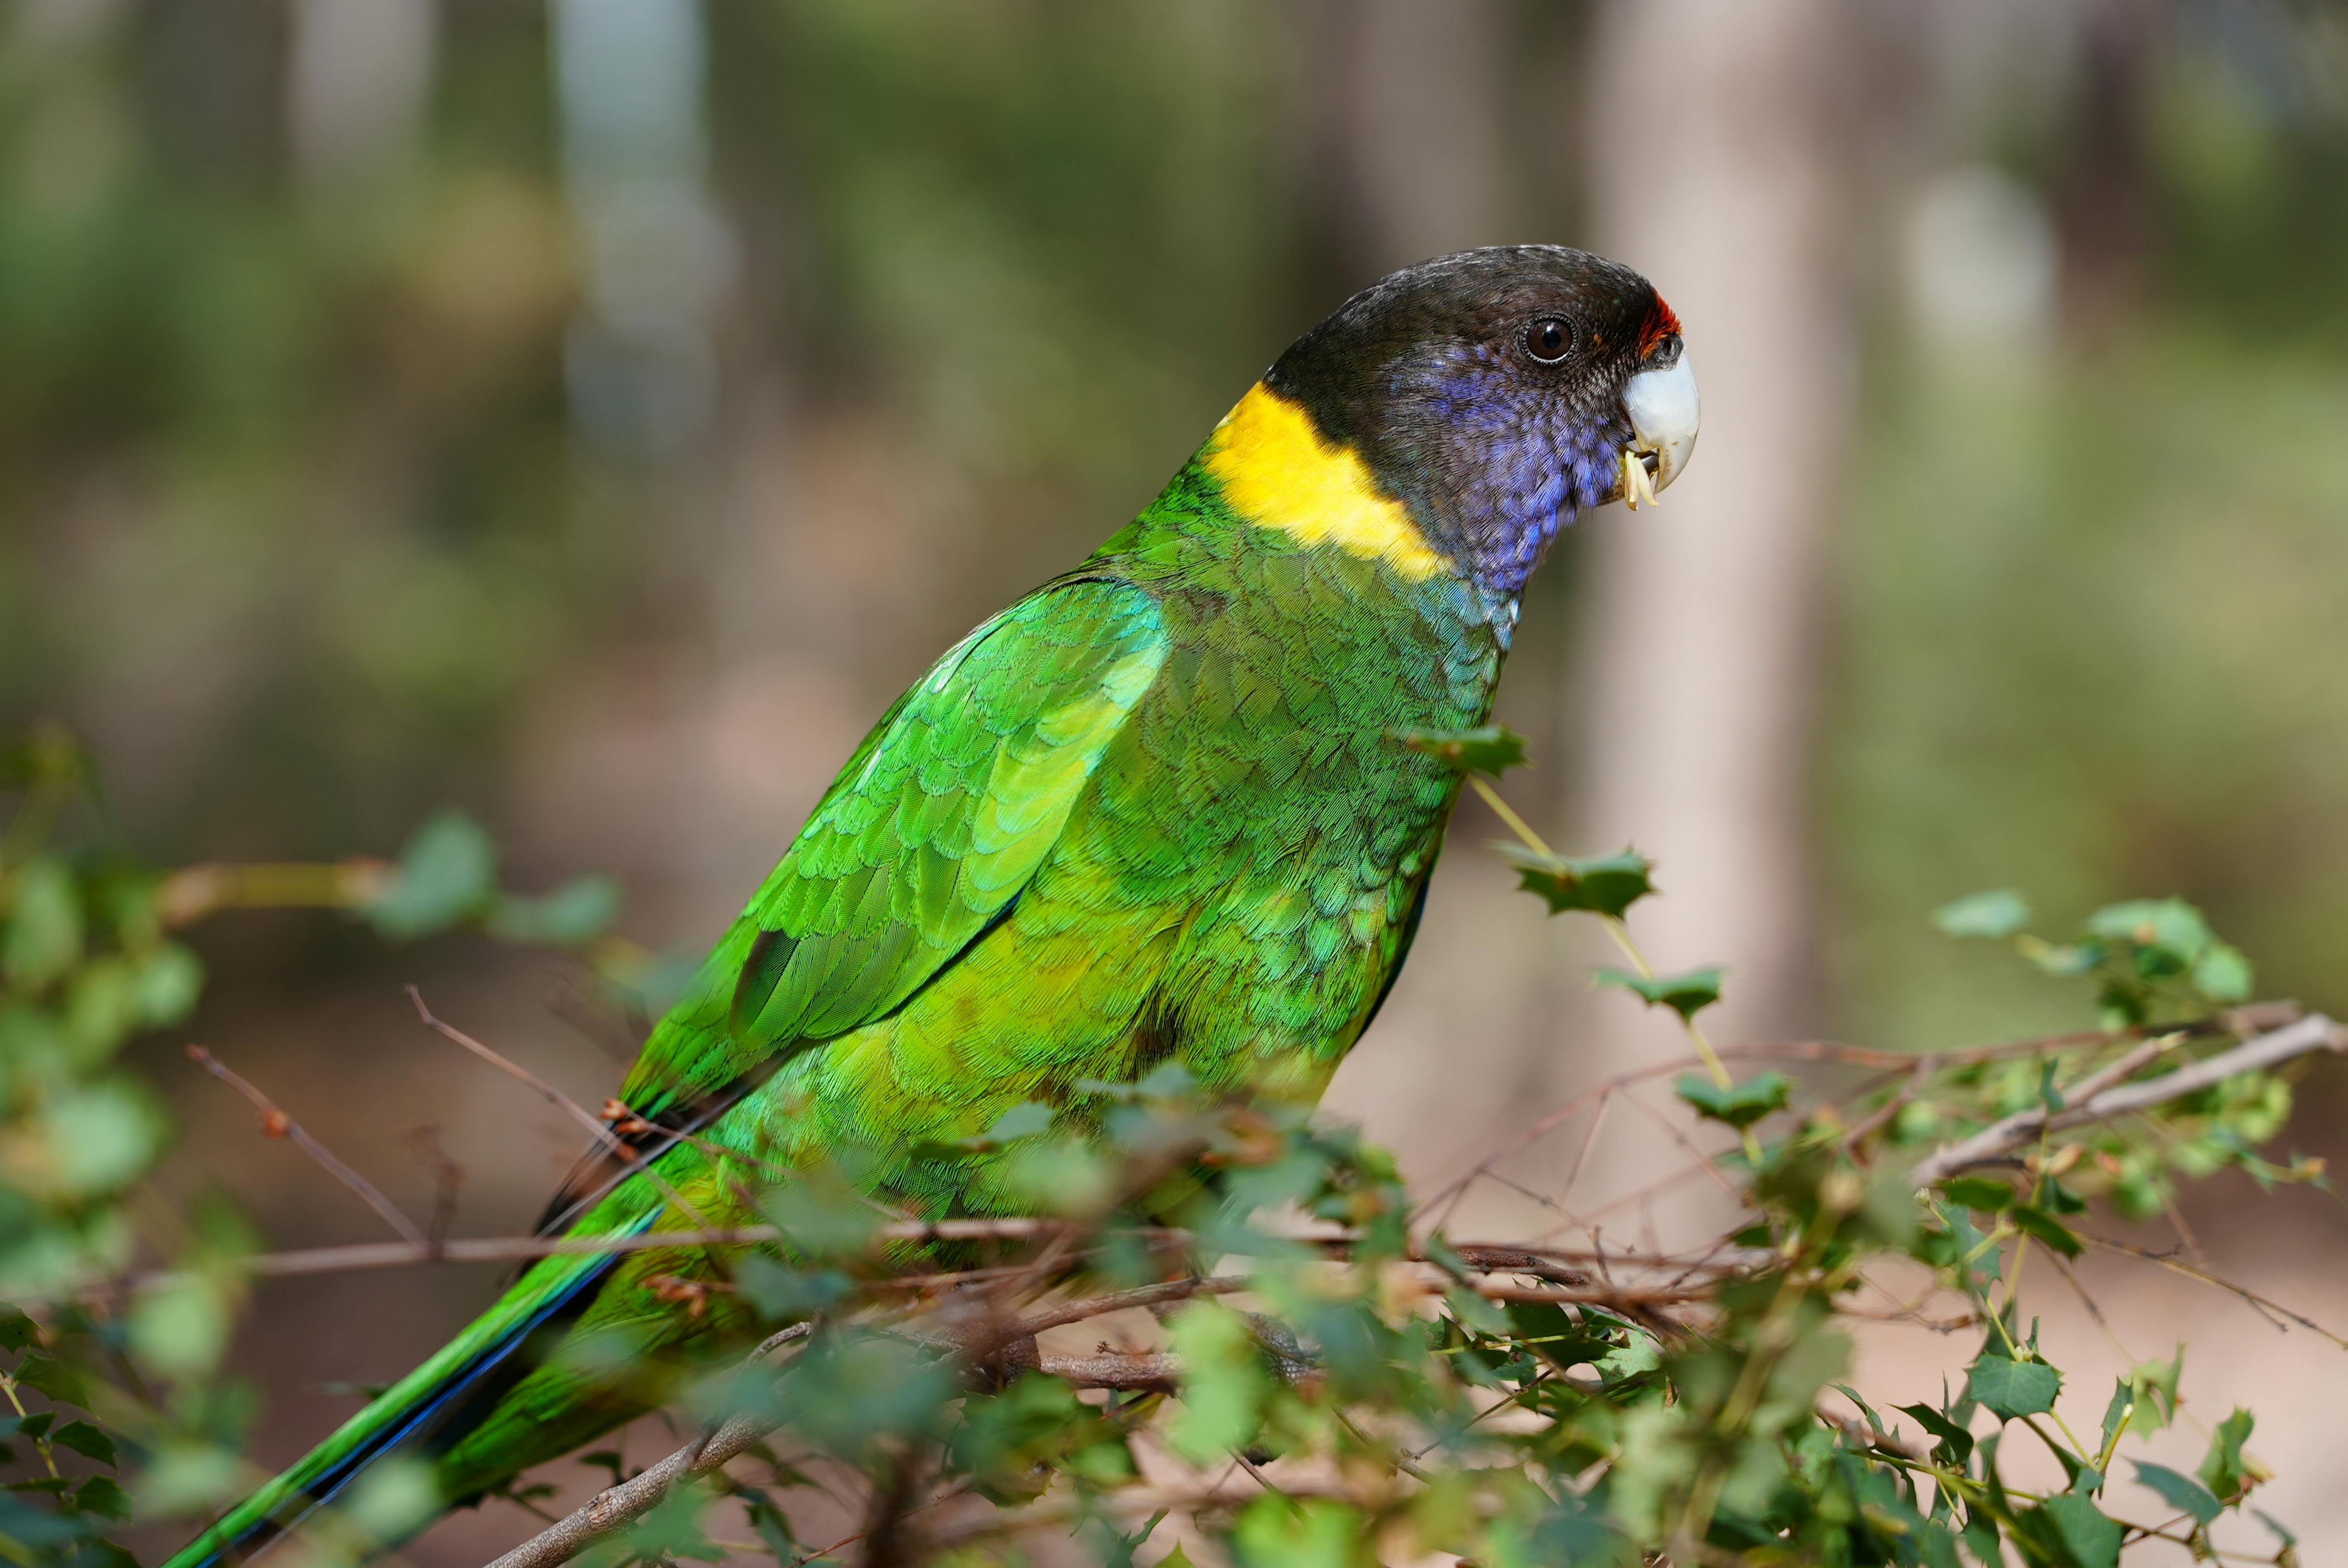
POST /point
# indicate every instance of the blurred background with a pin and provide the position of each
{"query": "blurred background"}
(592, 412)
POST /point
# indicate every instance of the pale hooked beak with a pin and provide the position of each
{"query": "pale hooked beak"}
(1661, 403)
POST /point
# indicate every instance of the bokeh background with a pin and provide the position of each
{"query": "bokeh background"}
(592, 412)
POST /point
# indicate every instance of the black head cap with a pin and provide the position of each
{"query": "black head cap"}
(1485, 391)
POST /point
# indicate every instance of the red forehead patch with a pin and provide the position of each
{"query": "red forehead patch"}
(1660, 324)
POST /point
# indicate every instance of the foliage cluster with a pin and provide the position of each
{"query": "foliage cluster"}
(1226, 1331)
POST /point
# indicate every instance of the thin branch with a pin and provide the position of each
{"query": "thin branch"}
(276, 1123)
(1875, 1119)
(2310, 1034)
(2254, 1018)
(596, 1129)
(447, 1179)
(615, 1507)
(2266, 1304)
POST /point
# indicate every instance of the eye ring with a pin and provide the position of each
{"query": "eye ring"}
(1550, 339)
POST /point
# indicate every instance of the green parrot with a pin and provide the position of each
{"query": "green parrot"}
(1154, 811)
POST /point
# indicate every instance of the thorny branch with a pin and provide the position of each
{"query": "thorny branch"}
(976, 1332)
(2310, 1034)
(616, 1507)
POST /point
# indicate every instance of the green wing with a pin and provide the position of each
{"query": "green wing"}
(924, 840)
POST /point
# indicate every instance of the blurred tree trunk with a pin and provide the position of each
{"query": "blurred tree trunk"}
(1716, 170)
(1399, 105)
(358, 80)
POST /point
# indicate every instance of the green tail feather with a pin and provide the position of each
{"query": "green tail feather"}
(422, 1414)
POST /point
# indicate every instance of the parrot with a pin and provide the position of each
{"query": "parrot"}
(1158, 810)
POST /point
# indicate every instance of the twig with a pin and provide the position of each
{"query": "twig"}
(1158, 1294)
(2190, 1272)
(1875, 1119)
(2312, 1034)
(1697, 1158)
(192, 892)
(617, 1506)
(448, 1178)
(276, 1123)
(603, 1135)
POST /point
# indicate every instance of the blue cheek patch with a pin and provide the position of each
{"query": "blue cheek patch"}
(1531, 468)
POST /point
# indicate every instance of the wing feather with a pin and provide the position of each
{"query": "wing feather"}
(939, 820)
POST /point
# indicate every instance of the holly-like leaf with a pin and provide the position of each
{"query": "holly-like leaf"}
(1599, 884)
(1997, 914)
(448, 871)
(2070, 1530)
(2116, 1414)
(17, 1330)
(1491, 749)
(2224, 1470)
(1687, 994)
(2180, 1492)
(55, 1378)
(1978, 1192)
(102, 1495)
(1948, 1434)
(85, 1440)
(2010, 1389)
(1740, 1104)
(2045, 1227)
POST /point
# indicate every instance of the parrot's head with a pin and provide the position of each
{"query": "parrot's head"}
(1496, 394)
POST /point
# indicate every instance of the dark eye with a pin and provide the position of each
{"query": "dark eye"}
(1550, 339)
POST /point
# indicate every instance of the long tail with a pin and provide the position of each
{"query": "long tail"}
(422, 1414)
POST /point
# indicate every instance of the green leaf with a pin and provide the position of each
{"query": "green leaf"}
(1687, 994)
(2180, 1492)
(103, 1495)
(2011, 1389)
(2038, 1223)
(1599, 885)
(2168, 926)
(821, 1214)
(52, 1378)
(2152, 1392)
(1224, 1382)
(1740, 1104)
(2116, 1414)
(1978, 1192)
(85, 1440)
(1278, 1531)
(2223, 1470)
(576, 912)
(1948, 1434)
(1995, 914)
(1024, 1120)
(448, 871)
(17, 1330)
(2068, 1528)
(1488, 749)
(43, 935)
(167, 983)
(2222, 974)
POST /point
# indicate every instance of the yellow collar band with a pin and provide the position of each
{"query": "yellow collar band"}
(1278, 472)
